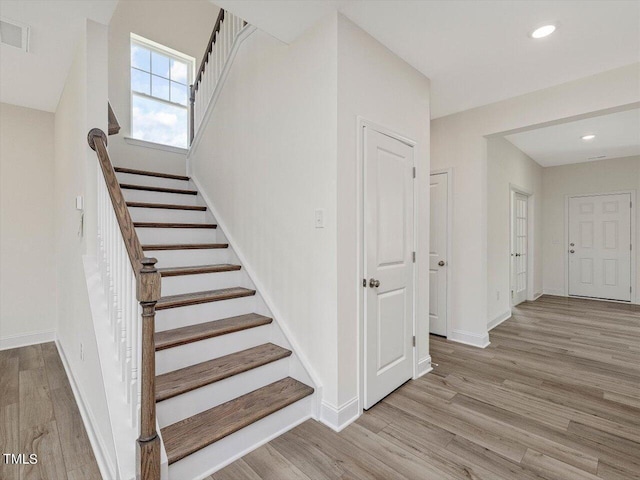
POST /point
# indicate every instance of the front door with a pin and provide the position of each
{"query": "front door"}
(519, 246)
(438, 254)
(600, 246)
(389, 246)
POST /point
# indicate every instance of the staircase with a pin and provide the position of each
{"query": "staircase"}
(226, 377)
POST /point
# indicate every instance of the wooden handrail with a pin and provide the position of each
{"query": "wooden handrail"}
(114, 126)
(148, 294)
(212, 41)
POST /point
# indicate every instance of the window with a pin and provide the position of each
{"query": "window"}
(160, 80)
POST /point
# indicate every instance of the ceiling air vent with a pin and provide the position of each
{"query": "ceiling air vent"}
(14, 34)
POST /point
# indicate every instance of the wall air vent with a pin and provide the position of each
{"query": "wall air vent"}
(14, 34)
(597, 158)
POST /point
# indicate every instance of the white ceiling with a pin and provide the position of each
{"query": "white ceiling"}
(36, 79)
(475, 52)
(617, 135)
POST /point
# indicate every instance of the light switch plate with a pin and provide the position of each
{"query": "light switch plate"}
(319, 218)
(79, 202)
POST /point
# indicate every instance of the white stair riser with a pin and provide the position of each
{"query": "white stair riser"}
(132, 179)
(199, 283)
(160, 197)
(219, 454)
(139, 214)
(176, 235)
(189, 258)
(197, 352)
(191, 403)
(204, 312)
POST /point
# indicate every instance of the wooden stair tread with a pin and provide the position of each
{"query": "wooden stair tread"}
(194, 433)
(190, 378)
(150, 174)
(198, 269)
(149, 188)
(196, 298)
(202, 331)
(167, 206)
(185, 246)
(173, 225)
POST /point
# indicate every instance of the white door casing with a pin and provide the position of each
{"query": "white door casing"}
(600, 246)
(438, 253)
(519, 248)
(388, 259)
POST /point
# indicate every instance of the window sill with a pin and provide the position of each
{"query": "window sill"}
(157, 146)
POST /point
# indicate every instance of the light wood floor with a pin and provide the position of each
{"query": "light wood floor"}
(38, 414)
(555, 396)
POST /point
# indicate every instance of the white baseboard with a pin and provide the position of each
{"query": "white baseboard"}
(470, 338)
(424, 366)
(499, 319)
(537, 296)
(106, 467)
(337, 418)
(25, 339)
(551, 291)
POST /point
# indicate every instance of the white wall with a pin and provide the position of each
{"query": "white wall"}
(82, 106)
(267, 160)
(376, 85)
(611, 175)
(184, 26)
(458, 142)
(27, 261)
(508, 166)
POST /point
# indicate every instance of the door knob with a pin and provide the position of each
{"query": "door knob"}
(572, 244)
(441, 263)
(572, 251)
(373, 283)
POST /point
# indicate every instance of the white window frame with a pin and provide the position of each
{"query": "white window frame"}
(172, 54)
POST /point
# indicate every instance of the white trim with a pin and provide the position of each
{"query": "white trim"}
(470, 338)
(499, 319)
(105, 465)
(299, 352)
(240, 38)
(337, 418)
(536, 296)
(361, 123)
(424, 366)
(26, 339)
(635, 298)
(450, 263)
(554, 292)
(156, 146)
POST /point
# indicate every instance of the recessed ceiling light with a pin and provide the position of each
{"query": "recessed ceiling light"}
(586, 138)
(543, 31)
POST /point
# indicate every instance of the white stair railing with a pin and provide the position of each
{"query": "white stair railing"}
(226, 29)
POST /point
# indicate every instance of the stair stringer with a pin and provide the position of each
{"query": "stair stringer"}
(299, 366)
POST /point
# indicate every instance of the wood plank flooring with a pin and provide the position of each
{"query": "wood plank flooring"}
(38, 414)
(555, 396)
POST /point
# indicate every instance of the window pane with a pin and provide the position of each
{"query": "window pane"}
(179, 93)
(159, 87)
(179, 71)
(140, 58)
(140, 81)
(159, 122)
(159, 65)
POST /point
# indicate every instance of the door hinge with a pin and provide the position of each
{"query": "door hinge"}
(414, 172)
(414, 257)
(414, 340)
(364, 282)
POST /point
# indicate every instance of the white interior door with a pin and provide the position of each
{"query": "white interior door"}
(600, 246)
(519, 245)
(389, 243)
(438, 254)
